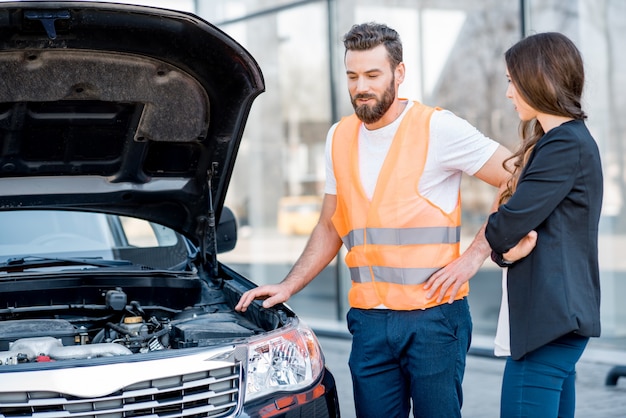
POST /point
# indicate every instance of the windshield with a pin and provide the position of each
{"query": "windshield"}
(54, 233)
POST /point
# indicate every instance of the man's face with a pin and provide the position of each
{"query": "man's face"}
(371, 83)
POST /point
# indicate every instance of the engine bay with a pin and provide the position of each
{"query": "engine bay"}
(117, 325)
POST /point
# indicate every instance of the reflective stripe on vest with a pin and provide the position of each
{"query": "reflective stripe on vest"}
(403, 276)
(402, 236)
(391, 236)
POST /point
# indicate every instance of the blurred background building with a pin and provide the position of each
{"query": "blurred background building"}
(454, 59)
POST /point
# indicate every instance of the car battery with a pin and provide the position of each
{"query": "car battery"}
(11, 331)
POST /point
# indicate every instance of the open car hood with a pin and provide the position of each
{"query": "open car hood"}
(121, 109)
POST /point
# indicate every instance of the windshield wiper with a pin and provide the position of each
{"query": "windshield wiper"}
(17, 264)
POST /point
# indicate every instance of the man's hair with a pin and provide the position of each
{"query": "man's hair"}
(366, 36)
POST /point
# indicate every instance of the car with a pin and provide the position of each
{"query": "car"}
(119, 129)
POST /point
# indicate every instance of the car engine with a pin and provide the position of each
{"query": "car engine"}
(127, 329)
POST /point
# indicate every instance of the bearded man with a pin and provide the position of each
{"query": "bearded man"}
(392, 197)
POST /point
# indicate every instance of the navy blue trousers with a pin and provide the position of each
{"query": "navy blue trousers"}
(400, 358)
(542, 383)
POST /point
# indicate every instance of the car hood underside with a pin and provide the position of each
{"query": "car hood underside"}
(120, 109)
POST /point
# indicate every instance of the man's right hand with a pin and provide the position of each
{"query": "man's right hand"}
(272, 293)
(320, 249)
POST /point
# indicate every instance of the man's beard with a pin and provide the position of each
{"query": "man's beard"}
(373, 114)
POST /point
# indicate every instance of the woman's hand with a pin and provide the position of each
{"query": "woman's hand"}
(522, 248)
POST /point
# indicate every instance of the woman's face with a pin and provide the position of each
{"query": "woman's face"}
(523, 109)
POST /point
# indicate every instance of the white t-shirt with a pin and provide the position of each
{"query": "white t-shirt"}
(502, 342)
(455, 147)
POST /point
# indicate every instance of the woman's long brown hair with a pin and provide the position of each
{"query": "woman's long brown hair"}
(547, 72)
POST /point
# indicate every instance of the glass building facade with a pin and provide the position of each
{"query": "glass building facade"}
(454, 55)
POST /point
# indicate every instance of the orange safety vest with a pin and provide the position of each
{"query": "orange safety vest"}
(400, 238)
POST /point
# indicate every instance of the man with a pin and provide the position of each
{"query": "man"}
(392, 197)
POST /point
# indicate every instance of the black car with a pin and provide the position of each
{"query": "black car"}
(119, 128)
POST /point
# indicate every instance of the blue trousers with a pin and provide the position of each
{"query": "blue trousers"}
(404, 357)
(542, 383)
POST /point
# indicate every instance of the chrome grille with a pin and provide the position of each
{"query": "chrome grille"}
(210, 393)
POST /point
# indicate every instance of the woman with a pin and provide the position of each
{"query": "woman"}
(553, 200)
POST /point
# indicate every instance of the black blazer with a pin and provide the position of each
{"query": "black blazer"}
(555, 290)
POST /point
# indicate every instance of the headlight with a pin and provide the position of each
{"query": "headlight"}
(283, 362)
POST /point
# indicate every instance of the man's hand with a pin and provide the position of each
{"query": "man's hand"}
(454, 275)
(272, 293)
(522, 248)
(451, 277)
(320, 249)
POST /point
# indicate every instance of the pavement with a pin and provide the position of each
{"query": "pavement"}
(483, 377)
